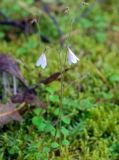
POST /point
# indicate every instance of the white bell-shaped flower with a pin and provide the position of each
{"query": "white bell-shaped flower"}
(72, 58)
(42, 61)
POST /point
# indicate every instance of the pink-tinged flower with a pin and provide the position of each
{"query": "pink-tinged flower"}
(42, 61)
(72, 57)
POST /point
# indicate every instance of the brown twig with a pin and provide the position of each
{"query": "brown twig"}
(11, 112)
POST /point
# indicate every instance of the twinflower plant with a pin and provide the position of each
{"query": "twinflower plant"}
(71, 58)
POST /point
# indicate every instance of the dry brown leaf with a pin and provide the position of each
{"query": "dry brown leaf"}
(9, 65)
(8, 113)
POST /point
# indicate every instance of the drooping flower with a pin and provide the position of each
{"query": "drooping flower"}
(42, 61)
(72, 58)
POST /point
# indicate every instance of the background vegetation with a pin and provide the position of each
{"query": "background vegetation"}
(90, 121)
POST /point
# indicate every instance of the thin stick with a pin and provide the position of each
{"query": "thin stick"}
(14, 85)
(11, 112)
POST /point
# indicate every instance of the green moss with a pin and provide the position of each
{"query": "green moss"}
(90, 118)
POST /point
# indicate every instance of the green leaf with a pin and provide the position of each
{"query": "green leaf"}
(39, 123)
(54, 98)
(37, 111)
(66, 120)
(50, 128)
(65, 142)
(64, 131)
(36, 120)
(46, 149)
(54, 145)
(51, 90)
(57, 111)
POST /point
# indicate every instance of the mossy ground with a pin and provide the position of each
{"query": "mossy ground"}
(91, 90)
